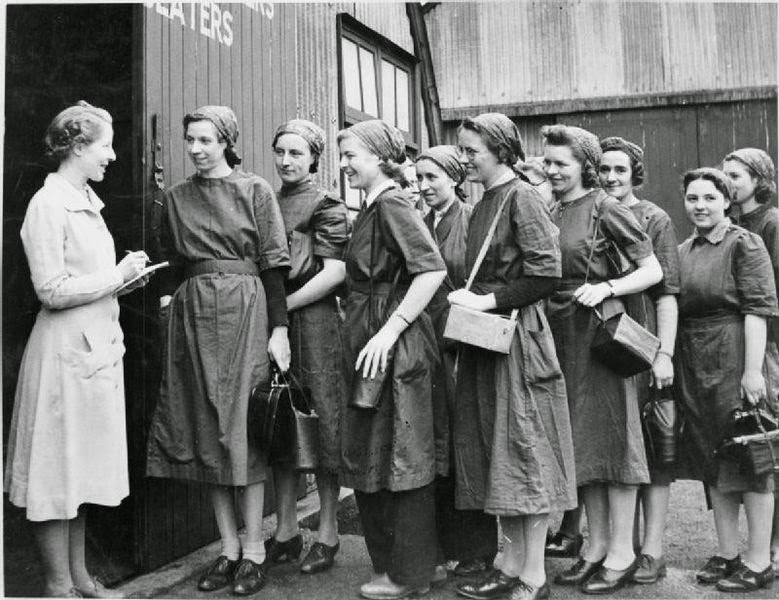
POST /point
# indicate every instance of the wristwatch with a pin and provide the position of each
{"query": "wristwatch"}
(611, 288)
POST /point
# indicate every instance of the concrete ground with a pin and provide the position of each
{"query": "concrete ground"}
(690, 539)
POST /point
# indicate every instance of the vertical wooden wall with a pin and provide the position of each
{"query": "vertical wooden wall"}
(183, 69)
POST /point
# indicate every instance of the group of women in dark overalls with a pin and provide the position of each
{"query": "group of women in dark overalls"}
(456, 435)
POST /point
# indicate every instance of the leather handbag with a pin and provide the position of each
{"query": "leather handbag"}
(752, 441)
(283, 423)
(621, 343)
(366, 393)
(658, 421)
(486, 330)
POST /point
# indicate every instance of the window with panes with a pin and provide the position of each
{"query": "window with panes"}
(377, 80)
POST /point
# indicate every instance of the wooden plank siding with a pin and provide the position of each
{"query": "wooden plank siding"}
(519, 56)
(183, 69)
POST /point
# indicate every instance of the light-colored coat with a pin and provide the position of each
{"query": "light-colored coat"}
(67, 442)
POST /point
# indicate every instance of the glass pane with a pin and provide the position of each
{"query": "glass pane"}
(368, 72)
(401, 78)
(351, 73)
(388, 92)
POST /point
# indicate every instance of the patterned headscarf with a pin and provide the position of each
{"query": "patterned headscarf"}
(226, 125)
(447, 158)
(498, 132)
(586, 142)
(311, 132)
(760, 163)
(381, 138)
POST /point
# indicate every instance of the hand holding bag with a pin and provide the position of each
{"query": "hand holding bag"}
(621, 343)
(658, 420)
(486, 330)
(752, 441)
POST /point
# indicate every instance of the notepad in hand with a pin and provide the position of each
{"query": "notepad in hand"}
(147, 271)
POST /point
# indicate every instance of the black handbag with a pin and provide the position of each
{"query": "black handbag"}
(752, 440)
(284, 424)
(659, 424)
(621, 343)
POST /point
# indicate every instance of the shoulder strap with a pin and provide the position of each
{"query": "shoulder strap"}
(486, 244)
(599, 212)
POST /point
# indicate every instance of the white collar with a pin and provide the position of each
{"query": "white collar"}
(375, 192)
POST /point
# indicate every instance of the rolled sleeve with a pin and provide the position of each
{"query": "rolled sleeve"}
(753, 275)
(535, 234)
(330, 225)
(621, 227)
(664, 242)
(273, 250)
(405, 233)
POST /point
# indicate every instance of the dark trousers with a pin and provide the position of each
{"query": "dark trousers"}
(463, 534)
(399, 530)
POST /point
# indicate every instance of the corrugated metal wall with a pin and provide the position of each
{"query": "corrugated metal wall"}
(538, 51)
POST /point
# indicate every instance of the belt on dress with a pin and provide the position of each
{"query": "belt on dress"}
(221, 267)
(722, 318)
(379, 287)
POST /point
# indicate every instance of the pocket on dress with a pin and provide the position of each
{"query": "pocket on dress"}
(538, 349)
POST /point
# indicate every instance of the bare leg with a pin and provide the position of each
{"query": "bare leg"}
(725, 508)
(759, 508)
(222, 501)
(286, 510)
(535, 527)
(655, 500)
(328, 488)
(621, 511)
(252, 502)
(514, 545)
(596, 503)
(775, 536)
(77, 559)
(52, 538)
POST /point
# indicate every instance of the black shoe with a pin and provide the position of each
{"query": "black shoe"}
(563, 544)
(470, 568)
(281, 552)
(606, 580)
(578, 572)
(319, 558)
(717, 568)
(495, 585)
(219, 574)
(650, 569)
(745, 579)
(249, 578)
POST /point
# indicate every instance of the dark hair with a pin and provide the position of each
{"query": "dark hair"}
(637, 168)
(765, 188)
(716, 177)
(504, 154)
(560, 135)
(80, 124)
(231, 156)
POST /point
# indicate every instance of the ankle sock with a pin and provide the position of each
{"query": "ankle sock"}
(231, 549)
(254, 551)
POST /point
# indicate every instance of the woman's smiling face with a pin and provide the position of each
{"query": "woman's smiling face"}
(359, 164)
(704, 204)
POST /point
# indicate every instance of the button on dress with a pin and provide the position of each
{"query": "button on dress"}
(67, 440)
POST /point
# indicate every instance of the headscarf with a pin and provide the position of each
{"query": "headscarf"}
(586, 142)
(381, 138)
(498, 131)
(760, 163)
(311, 132)
(447, 158)
(633, 151)
(226, 125)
